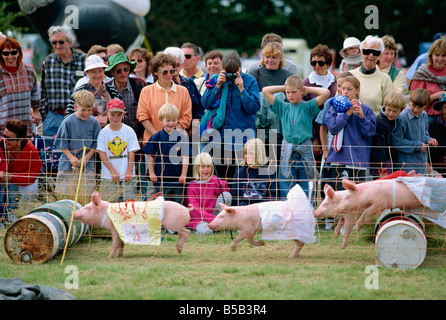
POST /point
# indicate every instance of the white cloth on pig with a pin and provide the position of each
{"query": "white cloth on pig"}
(431, 192)
(138, 222)
(290, 219)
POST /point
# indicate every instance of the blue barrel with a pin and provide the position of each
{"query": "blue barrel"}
(35, 238)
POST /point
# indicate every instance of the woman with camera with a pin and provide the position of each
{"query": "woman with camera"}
(232, 98)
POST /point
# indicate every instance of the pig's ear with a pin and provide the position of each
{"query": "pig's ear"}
(349, 185)
(328, 190)
(411, 173)
(223, 206)
(96, 199)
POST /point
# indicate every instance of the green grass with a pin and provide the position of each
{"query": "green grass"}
(207, 269)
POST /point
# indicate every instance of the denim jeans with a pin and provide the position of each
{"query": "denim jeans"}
(51, 123)
(298, 175)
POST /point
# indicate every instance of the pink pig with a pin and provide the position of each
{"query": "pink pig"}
(373, 197)
(175, 218)
(278, 220)
(330, 207)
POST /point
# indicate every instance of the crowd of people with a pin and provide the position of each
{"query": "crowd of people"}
(136, 122)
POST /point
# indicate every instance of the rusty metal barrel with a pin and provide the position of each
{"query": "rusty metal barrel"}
(35, 238)
(42, 234)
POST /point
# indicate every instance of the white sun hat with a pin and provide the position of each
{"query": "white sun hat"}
(349, 43)
(94, 61)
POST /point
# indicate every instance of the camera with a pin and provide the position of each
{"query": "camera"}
(231, 76)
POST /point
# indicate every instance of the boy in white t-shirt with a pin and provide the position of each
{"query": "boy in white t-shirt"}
(117, 144)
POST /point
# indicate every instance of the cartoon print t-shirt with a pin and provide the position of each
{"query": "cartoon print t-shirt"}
(117, 145)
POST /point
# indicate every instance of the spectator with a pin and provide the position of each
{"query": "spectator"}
(254, 182)
(114, 48)
(129, 88)
(77, 131)
(233, 98)
(154, 96)
(375, 85)
(297, 161)
(320, 60)
(19, 87)
(411, 137)
(60, 72)
(167, 168)
(437, 130)
(103, 54)
(23, 165)
(351, 54)
(143, 69)
(358, 126)
(117, 144)
(204, 193)
(272, 37)
(213, 62)
(190, 65)
(270, 72)
(188, 83)
(432, 76)
(383, 154)
(420, 60)
(103, 93)
(386, 63)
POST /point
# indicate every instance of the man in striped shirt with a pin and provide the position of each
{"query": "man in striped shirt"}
(60, 72)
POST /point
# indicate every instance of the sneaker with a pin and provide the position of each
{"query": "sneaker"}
(203, 229)
(328, 224)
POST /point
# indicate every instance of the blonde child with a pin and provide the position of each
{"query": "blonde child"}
(297, 163)
(168, 155)
(411, 136)
(359, 126)
(204, 192)
(383, 154)
(117, 143)
(254, 182)
(77, 131)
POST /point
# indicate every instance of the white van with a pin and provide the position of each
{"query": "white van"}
(297, 51)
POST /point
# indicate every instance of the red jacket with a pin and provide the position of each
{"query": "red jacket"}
(25, 169)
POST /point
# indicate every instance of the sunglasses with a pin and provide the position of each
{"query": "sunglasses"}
(12, 53)
(376, 53)
(137, 60)
(319, 62)
(188, 56)
(165, 72)
(61, 42)
(10, 139)
(118, 71)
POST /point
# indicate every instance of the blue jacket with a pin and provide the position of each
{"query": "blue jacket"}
(358, 135)
(241, 109)
(409, 134)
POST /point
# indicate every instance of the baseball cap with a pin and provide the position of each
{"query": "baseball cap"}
(115, 105)
(94, 61)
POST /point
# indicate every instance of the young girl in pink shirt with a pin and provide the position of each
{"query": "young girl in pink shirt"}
(204, 192)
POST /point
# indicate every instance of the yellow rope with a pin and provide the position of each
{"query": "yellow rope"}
(74, 205)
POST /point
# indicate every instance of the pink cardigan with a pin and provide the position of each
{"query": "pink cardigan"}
(202, 195)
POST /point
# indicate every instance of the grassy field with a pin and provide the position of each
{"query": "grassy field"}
(208, 270)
